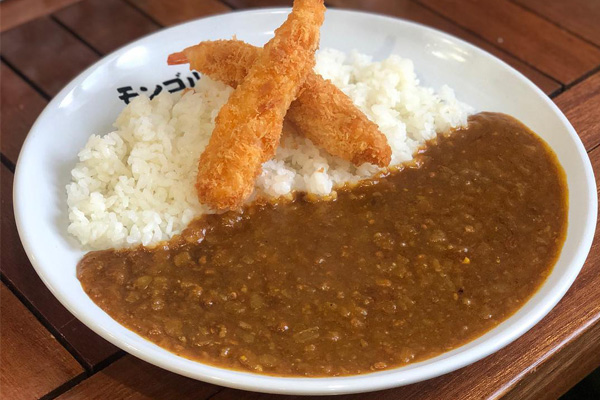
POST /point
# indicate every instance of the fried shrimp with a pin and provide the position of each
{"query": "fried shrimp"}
(248, 127)
(322, 112)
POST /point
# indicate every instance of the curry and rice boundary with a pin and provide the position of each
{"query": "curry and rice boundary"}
(136, 184)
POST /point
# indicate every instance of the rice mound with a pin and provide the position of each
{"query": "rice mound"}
(136, 184)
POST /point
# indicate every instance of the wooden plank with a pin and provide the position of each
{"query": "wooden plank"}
(581, 104)
(578, 16)
(46, 53)
(15, 266)
(130, 378)
(16, 12)
(91, 349)
(167, 12)
(21, 105)
(410, 10)
(32, 362)
(524, 34)
(580, 358)
(105, 24)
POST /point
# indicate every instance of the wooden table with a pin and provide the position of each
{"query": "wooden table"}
(47, 353)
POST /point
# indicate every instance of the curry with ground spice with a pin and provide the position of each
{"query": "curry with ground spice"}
(398, 269)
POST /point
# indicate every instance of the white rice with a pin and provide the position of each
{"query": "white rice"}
(136, 184)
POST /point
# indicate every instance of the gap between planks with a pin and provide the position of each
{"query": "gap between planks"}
(43, 321)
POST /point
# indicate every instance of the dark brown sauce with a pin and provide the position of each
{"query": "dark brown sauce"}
(393, 271)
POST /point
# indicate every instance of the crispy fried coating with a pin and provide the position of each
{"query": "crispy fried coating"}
(322, 112)
(227, 61)
(248, 127)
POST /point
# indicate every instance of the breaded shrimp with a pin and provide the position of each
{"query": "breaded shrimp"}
(322, 112)
(248, 127)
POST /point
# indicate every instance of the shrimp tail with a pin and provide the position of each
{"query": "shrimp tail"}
(177, 58)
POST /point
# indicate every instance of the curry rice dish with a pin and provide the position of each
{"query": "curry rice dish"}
(397, 269)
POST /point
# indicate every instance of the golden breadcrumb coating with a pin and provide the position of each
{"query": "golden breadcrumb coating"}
(322, 112)
(248, 127)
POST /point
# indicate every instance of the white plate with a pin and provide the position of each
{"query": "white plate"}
(90, 103)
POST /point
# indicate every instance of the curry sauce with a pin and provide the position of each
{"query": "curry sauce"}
(395, 270)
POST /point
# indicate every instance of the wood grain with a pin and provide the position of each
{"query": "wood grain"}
(21, 105)
(573, 363)
(105, 24)
(15, 266)
(32, 362)
(167, 12)
(524, 34)
(410, 10)
(46, 53)
(578, 16)
(16, 12)
(581, 104)
(91, 349)
(130, 378)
